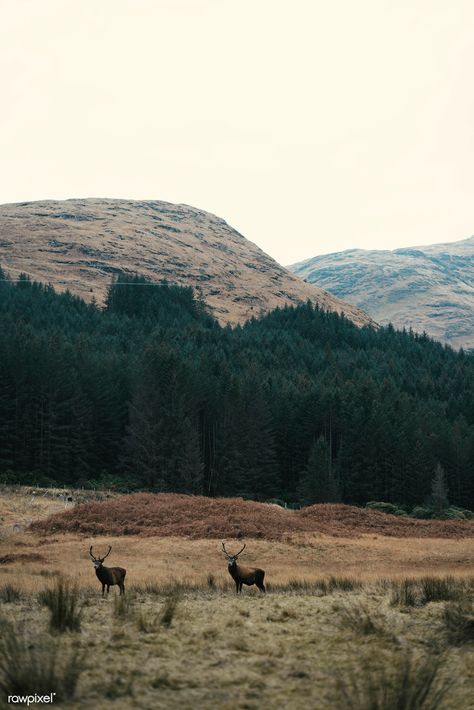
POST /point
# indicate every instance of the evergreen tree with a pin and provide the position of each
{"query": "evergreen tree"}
(318, 483)
(439, 491)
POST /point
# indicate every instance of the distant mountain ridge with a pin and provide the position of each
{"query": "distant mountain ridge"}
(80, 244)
(427, 288)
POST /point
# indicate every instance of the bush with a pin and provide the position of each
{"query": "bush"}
(36, 664)
(423, 512)
(385, 507)
(63, 603)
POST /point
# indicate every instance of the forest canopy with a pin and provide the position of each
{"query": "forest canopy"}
(151, 393)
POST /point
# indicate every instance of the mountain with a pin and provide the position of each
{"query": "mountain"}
(427, 288)
(80, 244)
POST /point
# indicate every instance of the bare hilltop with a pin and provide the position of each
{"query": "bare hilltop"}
(81, 244)
(426, 288)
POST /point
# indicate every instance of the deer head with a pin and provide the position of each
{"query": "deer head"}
(231, 559)
(97, 561)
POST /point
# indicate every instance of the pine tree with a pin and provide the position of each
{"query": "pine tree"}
(439, 491)
(318, 483)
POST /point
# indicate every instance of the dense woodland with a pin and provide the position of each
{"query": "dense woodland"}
(150, 393)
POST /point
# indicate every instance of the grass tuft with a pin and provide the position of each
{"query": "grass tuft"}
(361, 620)
(459, 621)
(404, 593)
(38, 664)
(399, 683)
(63, 601)
(438, 589)
(9, 594)
(123, 607)
(169, 609)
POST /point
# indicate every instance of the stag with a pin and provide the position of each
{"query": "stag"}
(243, 575)
(108, 576)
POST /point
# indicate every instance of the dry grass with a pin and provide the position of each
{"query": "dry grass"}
(171, 514)
(293, 647)
(254, 651)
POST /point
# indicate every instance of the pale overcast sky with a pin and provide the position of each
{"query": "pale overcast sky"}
(309, 125)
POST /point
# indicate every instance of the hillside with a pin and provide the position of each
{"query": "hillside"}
(81, 244)
(427, 288)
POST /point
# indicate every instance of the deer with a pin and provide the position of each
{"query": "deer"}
(243, 575)
(108, 576)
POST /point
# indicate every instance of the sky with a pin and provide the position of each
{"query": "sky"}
(310, 126)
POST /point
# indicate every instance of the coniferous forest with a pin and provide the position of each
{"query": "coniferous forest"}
(151, 393)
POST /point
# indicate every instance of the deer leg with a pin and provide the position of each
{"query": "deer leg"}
(108, 588)
(103, 589)
(122, 588)
(237, 587)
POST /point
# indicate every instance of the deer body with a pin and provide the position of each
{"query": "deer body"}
(108, 576)
(244, 575)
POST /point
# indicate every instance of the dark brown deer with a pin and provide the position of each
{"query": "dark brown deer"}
(244, 575)
(108, 576)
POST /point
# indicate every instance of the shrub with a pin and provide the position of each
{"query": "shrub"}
(36, 664)
(421, 511)
(389, 508)
(63, 601)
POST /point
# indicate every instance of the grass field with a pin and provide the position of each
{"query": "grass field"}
(369, 622)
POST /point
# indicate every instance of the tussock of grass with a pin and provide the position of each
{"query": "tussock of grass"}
(438, 589)
(123, 607)
(119, 685)
(404, 593)
(63, 601)
(343, 584)
(400, 683)
(459, 621)
(362, 620)
(9, 594)
(36, 664)
(169, 609)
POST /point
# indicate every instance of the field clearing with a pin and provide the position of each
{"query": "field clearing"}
(32, 559)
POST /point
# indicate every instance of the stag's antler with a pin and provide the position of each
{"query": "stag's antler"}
(240, 550)
(223, 547)
(108, 553)
(90, 553)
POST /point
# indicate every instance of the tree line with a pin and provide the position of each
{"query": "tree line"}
(151, 393)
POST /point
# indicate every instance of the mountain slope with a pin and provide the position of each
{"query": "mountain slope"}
(80, 244)
(428, 288)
